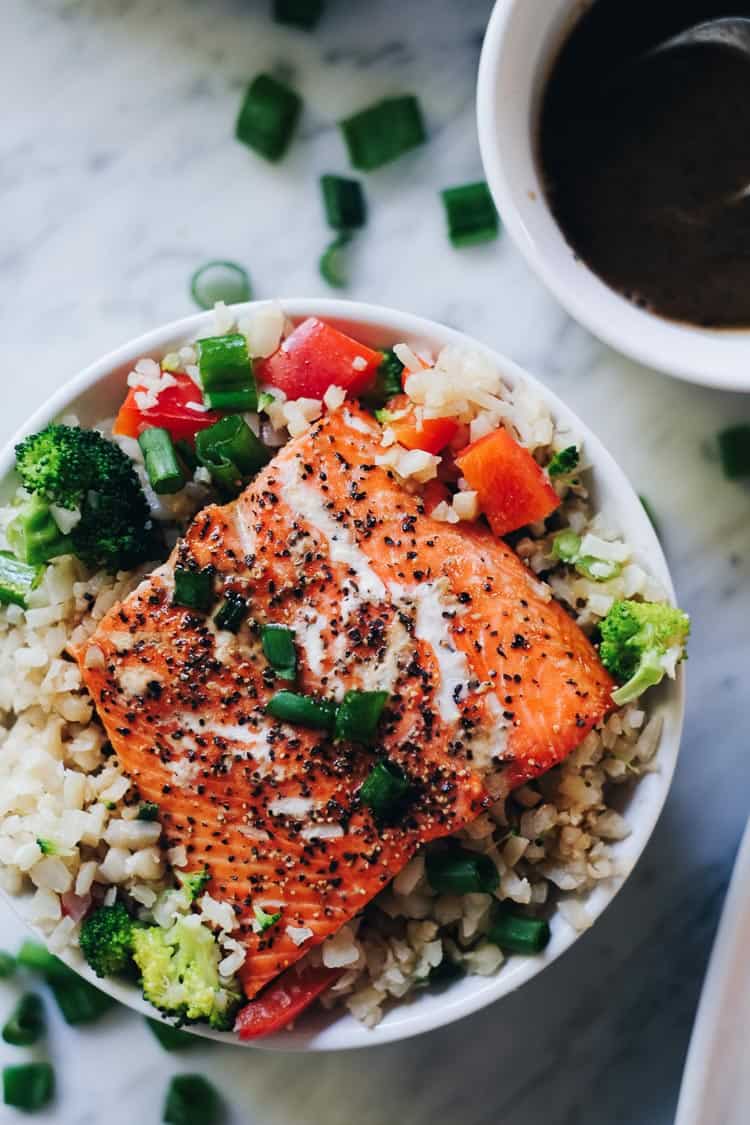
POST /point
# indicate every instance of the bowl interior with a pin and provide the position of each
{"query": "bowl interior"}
(97, 392)
(519, 49)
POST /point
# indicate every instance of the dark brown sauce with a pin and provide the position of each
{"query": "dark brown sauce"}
(645, 162)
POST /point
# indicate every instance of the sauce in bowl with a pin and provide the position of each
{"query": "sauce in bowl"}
(646, 158)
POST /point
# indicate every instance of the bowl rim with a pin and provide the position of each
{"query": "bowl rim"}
(714, 358)
(342, 1031)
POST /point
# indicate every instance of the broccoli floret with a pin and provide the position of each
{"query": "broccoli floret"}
(193, 882)
(641, 642)
(33, 534)
(565, 462)
(106, 940)
(180, 972)
(81, 469)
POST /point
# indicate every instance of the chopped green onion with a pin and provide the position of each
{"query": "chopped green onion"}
(457, 871)
(33, 534)
(358, 716)
(194, 882)
(333, 262)
(78, 1001)
(17, 580)
(220, 281)
(298, 13)
(226, 373)
(231, 452)
(268, 117)
(384, 790)
(734, 448)
(171, 1038)
(26, 1022)
(162, 467)
(566, 546)
(565, 462)
(344, 202)
(387, 381)
(650, 513)
(191, 1100)
(231, 613)
(148, 811)
(7, 964)
(279, 650)
(186, 452)
(302, 710)
(36, 957)
(193, 589)
(46, 847)
(383, 132)
(598, 570)
(515, 933)
(265, 400)
(265, 920)
(29, 1086)
(471, 214)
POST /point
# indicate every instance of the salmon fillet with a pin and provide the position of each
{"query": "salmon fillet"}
(490, 683)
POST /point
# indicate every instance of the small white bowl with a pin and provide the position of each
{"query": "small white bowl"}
(522, 39)
(97, 392)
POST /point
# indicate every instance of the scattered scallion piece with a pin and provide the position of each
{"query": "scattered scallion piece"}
(734, 448)
(186, 452)
(33, 534)
(333, 262)
(191, 1100)
(471, 214)
(29, 1086)
(171, 1038)
(194, 883)
(231, 452)
(298, 13)
(302, 710)
(344, 202)
(268, 116)
(148, 811)
(35, 957)
(279, 650)
(226, 373)
(358, 716)
(565, 462)
(383, 132)
(265, 920)
(78, 1001)
(515, 933)
(231, 613)
(220, 281)
(46, 847)
(17, 580)
(162, 467)
(457, 871)
(566, 546)
(193, 589)
(7, 964)
(26, 1022)
(384, 790)
(387, 381)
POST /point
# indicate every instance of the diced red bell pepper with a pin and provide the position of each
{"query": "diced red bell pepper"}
(512, 489)
(283, 1000)
(315, 357)
(171, 412)
(434, 435)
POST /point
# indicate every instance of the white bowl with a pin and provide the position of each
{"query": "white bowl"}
(520, 45)
(97, 392)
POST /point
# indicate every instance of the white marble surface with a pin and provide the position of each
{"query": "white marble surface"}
(118, 176)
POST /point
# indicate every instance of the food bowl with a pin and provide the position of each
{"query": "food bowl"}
(97, 391)
(519, 48)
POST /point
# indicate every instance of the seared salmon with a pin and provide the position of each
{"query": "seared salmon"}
(490, 683)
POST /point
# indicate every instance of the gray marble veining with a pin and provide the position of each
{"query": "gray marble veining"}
(118, 176)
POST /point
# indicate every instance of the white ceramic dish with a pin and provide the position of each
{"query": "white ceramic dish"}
(97, 392)
(520, 44)
(716, 1082)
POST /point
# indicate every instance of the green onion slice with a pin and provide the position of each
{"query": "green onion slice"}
(220, 281)
(566, 546)
(279, 650)
(387, 381)
(17, 580)
(186, 452)
(471, 214)
(302, 710)
(383, 132)
(29, 1086)
(7, 964)
(226, 373)
(598, 570)
(457, 871)
(333, 262)
(231, 452)
(164, 472)
(358, 716)
(33, 534)
(26, 1022)
(78, 1001)
(734, 449)
(193, 589)
(344, 202)
(515, 933)
(148, 811)
(191, 1100)
(265, 920)
(298, 13)
(268, 117)
(231, 613)
(171, 1038)
(565, 462)
(34, 956)
(384, 790)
